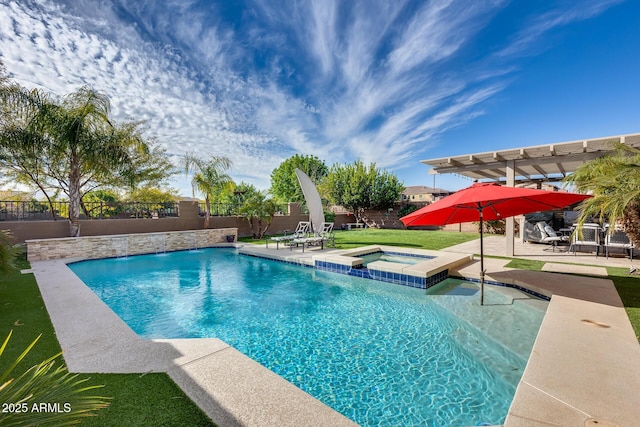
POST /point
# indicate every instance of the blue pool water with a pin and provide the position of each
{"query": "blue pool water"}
(392, 257)
(379, 353)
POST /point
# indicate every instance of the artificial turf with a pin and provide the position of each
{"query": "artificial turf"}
(433, 239)
(136, 400)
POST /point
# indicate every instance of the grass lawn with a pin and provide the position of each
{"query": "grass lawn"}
(137, 400)
(408, 238)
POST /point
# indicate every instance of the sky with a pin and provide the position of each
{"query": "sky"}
(390, 82)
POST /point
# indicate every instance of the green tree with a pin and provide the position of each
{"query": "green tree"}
(359, 187)
(22, 146)
(259, 209)
(73, 145)
(150, 194)
(100, 202)
(209, 177)
(284, 183)
(614, 182)
(87, 147)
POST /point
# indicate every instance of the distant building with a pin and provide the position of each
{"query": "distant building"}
(541, 186)
(422, 194)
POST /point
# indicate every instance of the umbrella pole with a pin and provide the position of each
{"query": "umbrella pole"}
(481, 262)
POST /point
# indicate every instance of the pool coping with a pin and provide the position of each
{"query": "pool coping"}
(230, 388)
(572, 376)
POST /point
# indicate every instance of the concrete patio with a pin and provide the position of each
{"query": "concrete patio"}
(495, 246)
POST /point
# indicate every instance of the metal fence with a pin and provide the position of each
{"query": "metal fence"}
(36, 210)
(233, 209)
(32, 210)
(123, 210)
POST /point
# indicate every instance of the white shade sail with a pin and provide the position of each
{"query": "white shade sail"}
(314, 203)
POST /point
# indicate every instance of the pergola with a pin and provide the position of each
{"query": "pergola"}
(536, 164)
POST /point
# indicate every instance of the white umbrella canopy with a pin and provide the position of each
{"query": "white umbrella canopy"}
(314, 202)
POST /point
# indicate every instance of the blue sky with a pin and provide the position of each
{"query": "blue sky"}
(391, 82)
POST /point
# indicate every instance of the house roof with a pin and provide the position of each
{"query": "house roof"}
(421, 189)
(550, 162)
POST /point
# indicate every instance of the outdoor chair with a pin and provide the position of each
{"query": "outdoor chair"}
(588, 235)
(618, 239)
(306, 242)
(327, 233)
(302, 230)
(319, 238)
(549, 235)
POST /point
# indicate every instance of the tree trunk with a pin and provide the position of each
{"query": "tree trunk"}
(265, 229)
(207, 211)
(84, 209)
(74, 198)
(632, 222)
(358, 213)
(53, 211)
(260, 232)
(251, 226)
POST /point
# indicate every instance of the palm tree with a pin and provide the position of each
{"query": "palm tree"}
(87, 145)
(72, 145)
(259, 209)
(614, 182)
(22, 146)
(209, 177)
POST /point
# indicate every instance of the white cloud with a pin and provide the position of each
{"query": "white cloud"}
(340, 80)
(530, 35)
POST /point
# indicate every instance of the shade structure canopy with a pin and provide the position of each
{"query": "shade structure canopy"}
(489, 201)
(493, 200)
(314, 202)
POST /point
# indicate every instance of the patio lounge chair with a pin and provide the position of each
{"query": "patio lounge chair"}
(308, 241)
(589, 235)
(618, 239)
(549, 235)
(302, 230)
(327, 233)
(324, 235)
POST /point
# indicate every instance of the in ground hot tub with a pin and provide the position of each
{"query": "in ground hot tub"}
(418, 268)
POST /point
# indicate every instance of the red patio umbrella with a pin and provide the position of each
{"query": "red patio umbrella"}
(489, 201)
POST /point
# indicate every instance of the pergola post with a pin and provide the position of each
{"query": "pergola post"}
(510, 225)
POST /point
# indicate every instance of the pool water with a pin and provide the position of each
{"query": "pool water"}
(392, 257)
(379, 353)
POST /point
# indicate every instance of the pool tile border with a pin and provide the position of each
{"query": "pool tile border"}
(384, 276)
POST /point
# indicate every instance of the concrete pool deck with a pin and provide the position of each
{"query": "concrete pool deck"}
(583, 368)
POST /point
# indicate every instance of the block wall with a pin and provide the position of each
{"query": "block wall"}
(92, 247)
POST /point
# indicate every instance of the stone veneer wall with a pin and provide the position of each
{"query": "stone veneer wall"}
(92, 247)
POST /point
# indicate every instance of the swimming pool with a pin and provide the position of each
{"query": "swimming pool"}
(379, 353)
